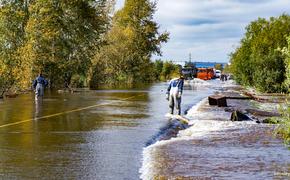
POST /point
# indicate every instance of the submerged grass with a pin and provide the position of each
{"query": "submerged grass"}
(283, 128)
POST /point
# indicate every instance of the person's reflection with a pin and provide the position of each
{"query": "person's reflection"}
(38, 109)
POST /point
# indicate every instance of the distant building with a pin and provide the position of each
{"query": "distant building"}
(208, 64)
(199, 64)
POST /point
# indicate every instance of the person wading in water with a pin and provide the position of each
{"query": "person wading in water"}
(39, 84)
(173, 94)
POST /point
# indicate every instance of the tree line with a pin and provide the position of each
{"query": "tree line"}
(77, 42)
(259, 60)
(284, 127)
(263, 61)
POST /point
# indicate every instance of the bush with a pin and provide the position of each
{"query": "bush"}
(284, 127)
(78, 81)
(169, 70)
(257, 62)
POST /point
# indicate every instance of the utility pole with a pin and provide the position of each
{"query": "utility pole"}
(190, 57)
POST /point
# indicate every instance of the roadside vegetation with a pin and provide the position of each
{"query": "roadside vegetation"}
(257, 62)
(77, 43)
(262, 61)
(219, 67)
(284, 127)
(165, 70)
(130, 42)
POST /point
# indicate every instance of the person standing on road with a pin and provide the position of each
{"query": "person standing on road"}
(174, 93)
(39, 84)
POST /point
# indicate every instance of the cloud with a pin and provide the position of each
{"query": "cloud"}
(209, 29)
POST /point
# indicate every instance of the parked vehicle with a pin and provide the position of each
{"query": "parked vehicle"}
(205, 73)
(218, 73)
(210, 73)
(189, 72)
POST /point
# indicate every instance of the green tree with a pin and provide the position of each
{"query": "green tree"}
(158, 66)
(169, 70)
(218, 66)
(139, 16)
(62, 37)
(286, 51)
(257, 62)
(227, 68)
(131, 41)
(13, 19)
(284, 126)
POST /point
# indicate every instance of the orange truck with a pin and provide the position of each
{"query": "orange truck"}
(205, 73)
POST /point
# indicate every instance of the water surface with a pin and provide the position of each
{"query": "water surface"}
(101, 142)
(216, 148)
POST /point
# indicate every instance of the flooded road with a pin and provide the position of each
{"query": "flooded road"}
(118, 134)
(87, 135)
(216, 148)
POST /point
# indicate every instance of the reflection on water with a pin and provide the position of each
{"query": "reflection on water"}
(38, 108)
(101, 142)
(73, 145)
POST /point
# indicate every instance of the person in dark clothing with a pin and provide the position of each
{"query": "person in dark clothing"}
(174, 92)
(39, 84)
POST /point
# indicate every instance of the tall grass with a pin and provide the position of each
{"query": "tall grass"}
(283, 128)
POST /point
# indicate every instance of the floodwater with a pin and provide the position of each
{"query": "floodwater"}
(115, 134)
(87, 135)
(216, 148)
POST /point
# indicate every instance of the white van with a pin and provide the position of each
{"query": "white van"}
(218, 73)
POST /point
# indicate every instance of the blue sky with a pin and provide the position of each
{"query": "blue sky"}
(209, 29)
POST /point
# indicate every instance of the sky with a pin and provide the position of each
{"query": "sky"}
(209, 30)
